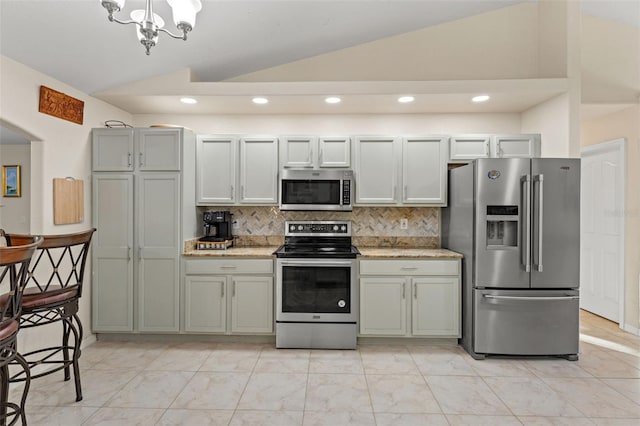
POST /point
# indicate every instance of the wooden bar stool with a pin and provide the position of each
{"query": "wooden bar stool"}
(14, 270)
(53, 290)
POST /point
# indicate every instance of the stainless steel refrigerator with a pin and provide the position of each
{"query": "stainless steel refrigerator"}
(517, 223)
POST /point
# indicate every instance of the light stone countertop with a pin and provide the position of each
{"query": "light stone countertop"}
(407, 253)
(367, 253)
(263, 251)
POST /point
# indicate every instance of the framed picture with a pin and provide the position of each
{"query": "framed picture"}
(11, 181)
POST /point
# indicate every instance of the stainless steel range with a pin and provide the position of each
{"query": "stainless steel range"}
(316, 286)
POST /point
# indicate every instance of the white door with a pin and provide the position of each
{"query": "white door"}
(602, 229)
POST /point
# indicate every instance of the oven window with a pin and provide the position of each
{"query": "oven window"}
(316, 289)
(311, 192)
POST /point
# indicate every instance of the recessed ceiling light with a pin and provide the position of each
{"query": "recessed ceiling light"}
(406, 99)
(260, 101)
(188, 101)
(480, 98)
(333, 100)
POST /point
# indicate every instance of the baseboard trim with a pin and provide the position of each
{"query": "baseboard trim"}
(630, 329)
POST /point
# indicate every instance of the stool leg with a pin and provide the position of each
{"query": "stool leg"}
(25, 390)
(4, 394)
(65, 347)
(76, 353)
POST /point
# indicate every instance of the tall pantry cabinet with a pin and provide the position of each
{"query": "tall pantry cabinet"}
(143, 197)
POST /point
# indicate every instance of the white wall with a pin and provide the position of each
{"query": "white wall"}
(354, 124)
(15, 214)
(63, 149)
(500, 44)
(551, 120)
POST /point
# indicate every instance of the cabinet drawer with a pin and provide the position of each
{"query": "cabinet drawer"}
(228, 266)
(409, 267)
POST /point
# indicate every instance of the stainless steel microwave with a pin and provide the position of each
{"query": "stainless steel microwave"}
(324, 189)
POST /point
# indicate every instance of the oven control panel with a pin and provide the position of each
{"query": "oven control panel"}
(340, 228)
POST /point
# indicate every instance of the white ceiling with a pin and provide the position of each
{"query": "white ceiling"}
(72, 41)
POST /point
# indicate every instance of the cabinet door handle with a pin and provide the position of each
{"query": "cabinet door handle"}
(409, 268)
(242, 191)
(128, 253)
(233, 289)
(486, 149)
(141, 159)
(415, 291)
(129, 158)
(221, 290)
(227, 267)
(231, 192)
(404, 285)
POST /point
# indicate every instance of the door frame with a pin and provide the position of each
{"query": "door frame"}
(619, 145)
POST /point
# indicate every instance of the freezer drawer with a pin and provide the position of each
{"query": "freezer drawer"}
(525, 322)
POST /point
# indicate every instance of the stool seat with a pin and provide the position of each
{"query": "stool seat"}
(34, 298)
(8, 329)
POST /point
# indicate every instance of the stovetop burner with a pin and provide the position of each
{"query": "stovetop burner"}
(317, 239)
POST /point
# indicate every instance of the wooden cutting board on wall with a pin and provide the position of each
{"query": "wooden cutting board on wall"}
(68, 201)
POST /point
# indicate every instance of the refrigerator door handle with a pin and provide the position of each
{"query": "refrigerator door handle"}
(489, 296)
(526, 207)
(538, 260)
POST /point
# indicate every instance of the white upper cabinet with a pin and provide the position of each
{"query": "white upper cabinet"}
(470, 147)
(401, 171)
(259, 171)
(377, 169)
(112, 150)
(424, 170)
(159, 149)
(126, 150)
(232, 170)
(297, 151)
(334, 151)
(315, 152)
(216, 159)
(510, 146)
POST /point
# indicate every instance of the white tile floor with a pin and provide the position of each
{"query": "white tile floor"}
(251, 384)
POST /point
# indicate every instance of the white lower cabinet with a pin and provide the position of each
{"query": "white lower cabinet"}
(410, 298)
(228, 296)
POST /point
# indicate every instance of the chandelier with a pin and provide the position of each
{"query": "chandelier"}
(149, 25)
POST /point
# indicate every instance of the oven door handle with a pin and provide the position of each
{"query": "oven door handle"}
(317, 262)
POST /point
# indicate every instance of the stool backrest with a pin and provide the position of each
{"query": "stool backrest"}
(58, 265)
(14, 272)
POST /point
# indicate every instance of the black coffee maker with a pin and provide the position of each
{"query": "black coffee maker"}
(217, 226)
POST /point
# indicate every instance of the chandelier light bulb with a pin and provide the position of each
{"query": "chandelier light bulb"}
(184, 11)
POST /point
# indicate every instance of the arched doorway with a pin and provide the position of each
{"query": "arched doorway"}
(15, 150)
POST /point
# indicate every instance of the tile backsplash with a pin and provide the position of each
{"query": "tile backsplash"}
(371, 226)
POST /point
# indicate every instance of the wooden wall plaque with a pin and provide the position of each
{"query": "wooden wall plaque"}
(61, 105)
